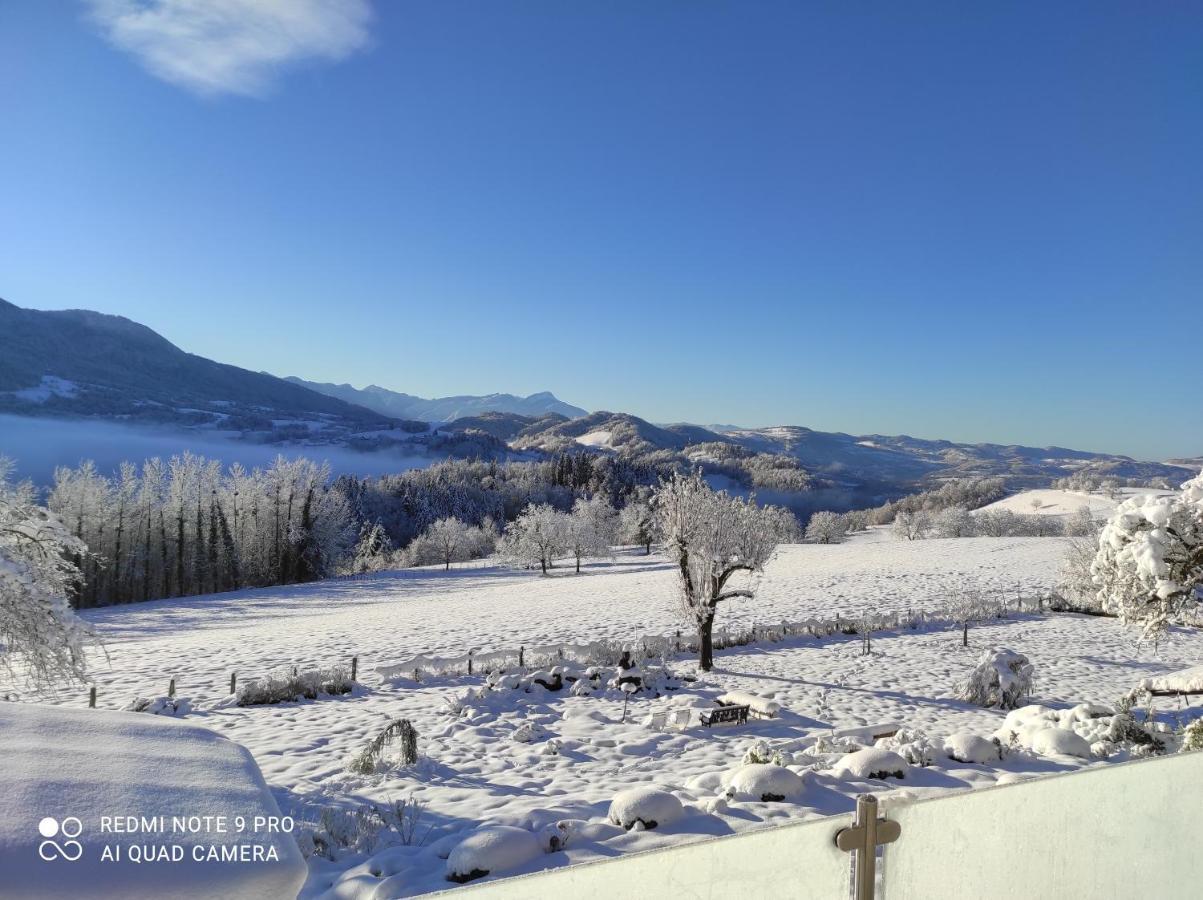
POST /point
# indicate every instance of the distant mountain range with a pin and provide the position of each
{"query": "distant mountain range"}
(443, 409)
(82, 364)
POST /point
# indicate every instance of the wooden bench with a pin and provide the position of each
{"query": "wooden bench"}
(735, 714)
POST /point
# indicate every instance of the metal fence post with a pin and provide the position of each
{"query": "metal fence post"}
(863, 837)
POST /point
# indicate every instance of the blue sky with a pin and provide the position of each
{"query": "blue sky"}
(945, 220)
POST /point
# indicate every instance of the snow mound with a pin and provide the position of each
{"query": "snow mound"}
(160, 706)
(872, 762)
(73, 766)
(1058, 742)
(647, 806)
(764, 781)
(971, 748)
(762, 705)
(1184, 681)
(492, 848)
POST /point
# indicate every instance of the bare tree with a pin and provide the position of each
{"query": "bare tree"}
(712, 537)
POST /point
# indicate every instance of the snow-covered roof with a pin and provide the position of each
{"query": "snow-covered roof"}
(71, 778)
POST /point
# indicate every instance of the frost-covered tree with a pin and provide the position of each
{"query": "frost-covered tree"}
(1081, 523)
(637, 524)
(536, 538)
(712, 537)
(912, 526)
(37, 572)
(373, 549)
(1149, 564)
(590, 528)
(826, 527)
(954, 522)
(855, 521)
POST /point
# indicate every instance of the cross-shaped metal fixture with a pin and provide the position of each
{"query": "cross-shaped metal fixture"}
(866, 834)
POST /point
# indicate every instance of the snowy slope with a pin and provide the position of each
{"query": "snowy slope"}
(65, 771)
(475, 769)
(1052, 502)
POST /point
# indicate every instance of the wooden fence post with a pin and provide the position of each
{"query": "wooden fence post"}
(92, 697)
(233, 681)
(469, 661)
(522, 657)
(354, 667)
(171, 688)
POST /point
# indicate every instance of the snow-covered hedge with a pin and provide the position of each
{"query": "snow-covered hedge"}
(644, 807)
(872, 762)
(284, 687)
(763, 781)
(962, 746)
(492, 848)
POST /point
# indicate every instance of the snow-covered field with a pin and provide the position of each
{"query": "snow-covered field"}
(1053, 502)
(474, 771)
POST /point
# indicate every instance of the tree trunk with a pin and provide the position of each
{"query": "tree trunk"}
(543, 564)
(578, 564)
(647, 549)
(965, 634)
(706, 645)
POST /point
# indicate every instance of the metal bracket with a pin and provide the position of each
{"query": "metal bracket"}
(864, 837)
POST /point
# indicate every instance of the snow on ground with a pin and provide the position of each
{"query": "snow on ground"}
(66, 771)
(595, 439)
(477, 771)
(1050, 502)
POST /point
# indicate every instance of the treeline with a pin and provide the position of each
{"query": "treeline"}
(476, 492)
(185, 526)
(963, 493)
(189, 526)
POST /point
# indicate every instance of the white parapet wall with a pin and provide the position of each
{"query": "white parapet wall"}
(102, 804)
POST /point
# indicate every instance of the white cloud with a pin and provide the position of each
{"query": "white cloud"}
(231, 46)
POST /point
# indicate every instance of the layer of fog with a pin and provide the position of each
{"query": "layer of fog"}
(40, 445)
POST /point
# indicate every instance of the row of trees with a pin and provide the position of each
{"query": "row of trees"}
(957, 522)
(185, 526)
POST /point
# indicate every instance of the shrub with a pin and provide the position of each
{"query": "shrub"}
(1002, 679)
(285, 687)
(399, 731)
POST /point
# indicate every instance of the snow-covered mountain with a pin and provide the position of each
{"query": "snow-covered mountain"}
(77, 362)
(443, 409)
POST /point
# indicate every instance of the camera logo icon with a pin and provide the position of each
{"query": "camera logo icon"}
(69, 829)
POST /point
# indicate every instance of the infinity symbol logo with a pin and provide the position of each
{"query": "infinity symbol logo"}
(70, 850)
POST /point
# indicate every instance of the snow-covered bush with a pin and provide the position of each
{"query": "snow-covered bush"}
(965, 747)
(1192, 737)
(761, 752)
(1059, 742)
(763, 781)
(1149, 564)
(492, 848)
(649, 807)
(1002, 679)
(529, 732)
(160, 706)
(912, 745)
(287, 686)
(398, 731)
(872, 762)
